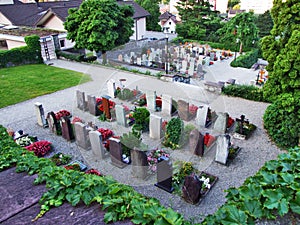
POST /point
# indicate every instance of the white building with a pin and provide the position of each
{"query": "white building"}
(257, 6)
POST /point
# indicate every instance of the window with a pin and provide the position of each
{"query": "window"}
(62, 43)
(170, 23)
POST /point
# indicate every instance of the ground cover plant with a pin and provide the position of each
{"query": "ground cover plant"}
(21, 83)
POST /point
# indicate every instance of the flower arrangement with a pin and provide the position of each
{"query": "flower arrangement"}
(76, 119)
(206, 182)
(153, 157)
(94, 172)
(106, 133)
(100, 105)
(211, 63)
(181, 170)
(61, 159)
(74, 166)
(230, 122)
(24, 141)
(40, 148)
(208, 139)
(164, 125)
(193, 109)
(62, 113)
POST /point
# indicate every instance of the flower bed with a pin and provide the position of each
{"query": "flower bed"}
(232, 153)
(247, 130)
(61, 159)
(153, 156)
(62, 113)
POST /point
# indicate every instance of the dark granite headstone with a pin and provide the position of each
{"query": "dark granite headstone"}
(115, 150)
(191, 189)
(196, 143)
(54, 125)
(139, 164)
(164, 174)
(66, 129)
(183, 110)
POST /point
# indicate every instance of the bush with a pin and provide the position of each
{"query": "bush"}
(247, 60)
(29, 54)
(141, 117)
(282, 120)
(69, 55)
(249, 92)
(174, 131)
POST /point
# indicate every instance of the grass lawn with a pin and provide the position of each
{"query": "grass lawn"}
(21, 83)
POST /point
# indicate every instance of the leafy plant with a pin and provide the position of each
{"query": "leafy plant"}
(173, 134)
(40, 148)
(61, 159)
(249, 92)
(130, 141)
(153, 157)
(141, 117)
(282, 120)
(125, 94)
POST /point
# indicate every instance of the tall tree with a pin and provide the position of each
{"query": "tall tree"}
(240, 29)
(96, 27)
(152, 6)
(198, 20)
(281, 50)
(264, 23)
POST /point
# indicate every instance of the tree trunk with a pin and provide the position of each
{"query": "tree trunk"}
(104, 62)
(241, 48)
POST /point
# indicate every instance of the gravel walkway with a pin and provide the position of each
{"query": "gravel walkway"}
(255, 151)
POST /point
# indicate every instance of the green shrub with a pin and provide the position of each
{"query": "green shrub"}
(247, 60)
(30, 54)
(174, 131)
(244, 91)
(282, 120)
(125, 94)
(69, 55)
(141, 117)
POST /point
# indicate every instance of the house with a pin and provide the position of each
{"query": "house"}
(232, 13)
(52, 15)
(168, 23)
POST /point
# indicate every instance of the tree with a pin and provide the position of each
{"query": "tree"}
(240, 29)
(281, 50)
(152, 6)
(99, 25)
(198, 20)
(264, 23)
(232, 3)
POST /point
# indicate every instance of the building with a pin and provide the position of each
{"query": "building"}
(168, 23)
(257, 6)
(52, 15)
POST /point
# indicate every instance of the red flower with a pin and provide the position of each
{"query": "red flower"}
(40, 148)
(193, 109)
(208, 139)
(106, 133)
(62, 113)
(230, 122)
(93, 171)
(158, 101)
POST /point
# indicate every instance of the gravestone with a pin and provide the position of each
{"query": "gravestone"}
(166, 105)
(54, 125)
(200, 72)
(164, 174)
(66, 129)
(41, 120)
(191, 189)
(140, 165)
(223, 143)
(105, 103)
(196, 142)
(81, 103)
(220, 124)
(183, 67)
(212, 56)
(120, 58)
(201, 117)
(111, 88)
(139, 61)
(96, 144)
(92, 105)
(151, 100)
(120, 115)
(191, 68)
(183, 110)
(115, 150)
(81, 136)
(155, 126)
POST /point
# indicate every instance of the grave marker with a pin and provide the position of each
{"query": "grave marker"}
(139, 164)
(81, 103)
(164, 174)
(92, 105)
(196, 142)
(66, 129)
(96, 144)
(105, 103)
(41, 120)
(120, 115)
(111, 88)
(155, 127)
(54, 125)
(81, 135)
(115, 149)
(220, 124)
(201, 117)
(166, 105)
(151, 100)
(223, 143)
(183, 110)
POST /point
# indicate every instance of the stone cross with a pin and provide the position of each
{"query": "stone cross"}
(241, 122)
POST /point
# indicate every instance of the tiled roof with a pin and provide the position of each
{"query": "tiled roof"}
(30, 13)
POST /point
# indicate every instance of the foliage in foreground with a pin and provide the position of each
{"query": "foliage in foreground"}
(274, 190)
(282, 120)
(118, 200)
(249, 92)
(25, 82)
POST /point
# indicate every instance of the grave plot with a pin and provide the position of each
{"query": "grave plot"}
(244, 128)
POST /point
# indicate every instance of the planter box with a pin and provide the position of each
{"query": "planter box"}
(233, 156)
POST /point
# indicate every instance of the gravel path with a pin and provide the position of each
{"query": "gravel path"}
(255, 151)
